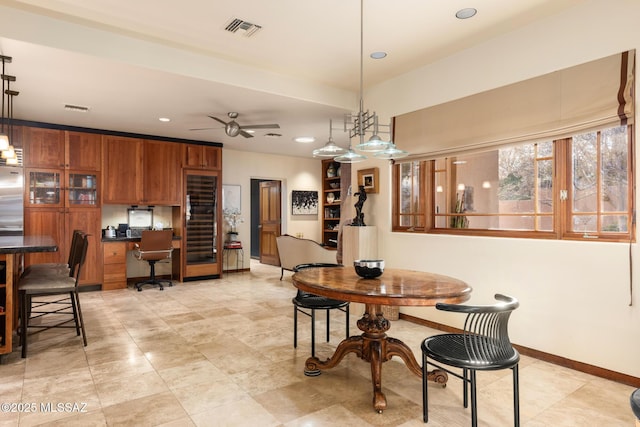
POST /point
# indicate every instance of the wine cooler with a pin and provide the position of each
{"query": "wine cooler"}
(203, 253)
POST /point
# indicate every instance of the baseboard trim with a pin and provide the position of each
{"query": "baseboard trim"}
(541, 355)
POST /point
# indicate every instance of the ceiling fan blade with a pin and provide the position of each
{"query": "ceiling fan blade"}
(245, 134)
(203, 128)
(271, 126)
(218, 120)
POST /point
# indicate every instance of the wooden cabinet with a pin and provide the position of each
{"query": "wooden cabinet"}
(162, 173)
(331, 199)
(43, 148)
(59, 223)
(6, 302)
(62, 186)
(83, 151)
(122, 170)
(114, 258)
(203, 157)
(140, 171)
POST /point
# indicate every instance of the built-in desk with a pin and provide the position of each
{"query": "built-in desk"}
(114, 258)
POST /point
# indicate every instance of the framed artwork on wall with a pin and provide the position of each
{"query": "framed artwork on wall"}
(231, 198)
(304, 202)
(368, 178)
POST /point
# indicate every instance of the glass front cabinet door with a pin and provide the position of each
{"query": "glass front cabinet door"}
(82, 189)
(44, 188)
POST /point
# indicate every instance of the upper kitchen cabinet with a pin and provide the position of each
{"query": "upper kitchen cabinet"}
(83, 151)
(203, 157)
(43, 148)
(122, 170)
(162, 173)
(141, 172)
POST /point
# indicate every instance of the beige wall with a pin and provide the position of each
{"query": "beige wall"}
(574, 295)
(239, 167)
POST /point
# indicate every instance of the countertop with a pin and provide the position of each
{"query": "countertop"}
(129, 239)
(23, 244)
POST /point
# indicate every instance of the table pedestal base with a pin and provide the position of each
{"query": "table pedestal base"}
(375, 347)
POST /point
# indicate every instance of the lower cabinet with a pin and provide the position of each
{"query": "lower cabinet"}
(114, 257)
(59, 224)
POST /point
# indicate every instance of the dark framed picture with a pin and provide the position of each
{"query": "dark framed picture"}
(304, 202)
(368, 178)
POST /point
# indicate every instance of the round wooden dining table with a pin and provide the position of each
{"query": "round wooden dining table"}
(395, 287)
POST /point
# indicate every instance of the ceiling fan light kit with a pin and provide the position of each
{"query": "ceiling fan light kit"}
(233, 128)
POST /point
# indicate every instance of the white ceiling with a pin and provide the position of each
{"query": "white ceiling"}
(133, 61)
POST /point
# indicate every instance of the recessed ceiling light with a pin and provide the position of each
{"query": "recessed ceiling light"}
(466, 13)
(250, 131)
(378, 55)
(164, 119)
(304, 139)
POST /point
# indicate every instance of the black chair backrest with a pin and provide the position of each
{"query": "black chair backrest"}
(486, 336)
(75, 254)
(76, 237)
(302, 294)
(315, 264)
(81, 256)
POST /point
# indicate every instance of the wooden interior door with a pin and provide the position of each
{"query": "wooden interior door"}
(270, 220)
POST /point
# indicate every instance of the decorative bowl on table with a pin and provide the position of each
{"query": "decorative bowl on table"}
(369, 268)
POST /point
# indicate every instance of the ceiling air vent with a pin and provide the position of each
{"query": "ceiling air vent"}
(78, 108)
(242, 27)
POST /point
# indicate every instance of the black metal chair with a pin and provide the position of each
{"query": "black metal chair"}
(484, 345)
(635, 404)
(57, 297)
(307, 301)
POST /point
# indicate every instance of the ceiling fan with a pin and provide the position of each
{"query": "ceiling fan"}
(233, 128)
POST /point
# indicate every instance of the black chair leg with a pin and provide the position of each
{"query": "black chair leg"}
(516, 397)
(474, 399)
(24, 300)
(313, 333)
(295, 327)
(465, 388)
(80, 319)
(425, 398)
(346, 310)
(74, 309)
(328, 329)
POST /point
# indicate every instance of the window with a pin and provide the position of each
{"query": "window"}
(575, 188)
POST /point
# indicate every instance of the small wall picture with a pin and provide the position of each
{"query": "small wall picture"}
(304, 202)
(368, 178)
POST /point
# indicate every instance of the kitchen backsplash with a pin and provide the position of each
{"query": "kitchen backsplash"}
(118, 214)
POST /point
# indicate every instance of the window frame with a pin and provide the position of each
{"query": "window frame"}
(562, 212)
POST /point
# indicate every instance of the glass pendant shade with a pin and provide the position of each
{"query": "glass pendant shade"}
(4, 141)
(9, 153)
(391, 153)
(374, 144)
(350, 157)
(330, 149)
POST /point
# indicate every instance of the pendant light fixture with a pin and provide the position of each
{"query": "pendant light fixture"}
(9, 154)
(330, 149)
(361, 122)
(4, 134)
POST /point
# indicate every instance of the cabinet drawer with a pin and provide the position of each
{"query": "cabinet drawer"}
(115, 253)
(115, 272)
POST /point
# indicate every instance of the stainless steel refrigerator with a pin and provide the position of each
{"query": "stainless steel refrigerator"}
(11, 204)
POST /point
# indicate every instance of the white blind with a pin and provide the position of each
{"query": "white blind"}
(559, 104)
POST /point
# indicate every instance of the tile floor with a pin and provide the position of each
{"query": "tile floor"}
(220, 353)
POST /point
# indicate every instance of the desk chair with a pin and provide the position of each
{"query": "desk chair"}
(61, 301)
(305, 300)
(483, 346)
(155, 245)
